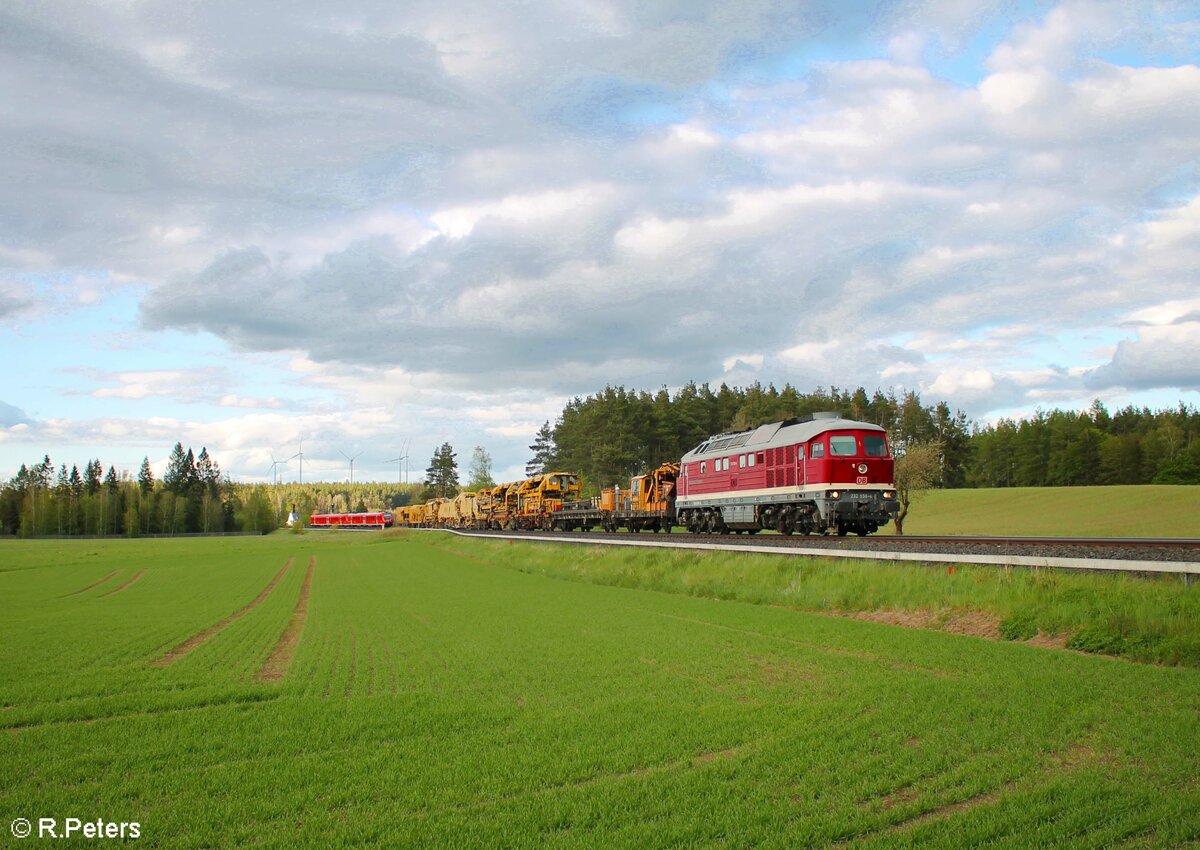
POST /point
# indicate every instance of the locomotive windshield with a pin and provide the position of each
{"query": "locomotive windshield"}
(875, 446)
(842, 446)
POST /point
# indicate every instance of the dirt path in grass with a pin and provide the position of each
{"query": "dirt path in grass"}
(173, 655)
(90, 586)
(135, 577)
(280, 659)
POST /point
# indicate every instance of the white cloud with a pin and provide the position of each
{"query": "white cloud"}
(753, 361)
(1162, 353)
(451, 207)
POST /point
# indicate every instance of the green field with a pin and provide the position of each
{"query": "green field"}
(1116, 511)
(415, 690)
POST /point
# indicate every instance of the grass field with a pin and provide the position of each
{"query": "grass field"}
(381, 690)
(1124, 511)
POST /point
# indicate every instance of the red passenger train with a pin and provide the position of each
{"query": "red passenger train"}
(813, 474)
(369, 519)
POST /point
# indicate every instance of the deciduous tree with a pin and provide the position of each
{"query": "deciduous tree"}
(918, 469)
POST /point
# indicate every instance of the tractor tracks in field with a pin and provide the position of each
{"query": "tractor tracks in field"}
(135, 714)
(116, 590)
(174, 654)
(697, 761)
(876, 658)
(277, 663)
(1080, 755)
(96, 583)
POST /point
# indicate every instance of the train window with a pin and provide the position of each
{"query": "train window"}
(799, 452)
(875, 446)
(741, 461)
(816, 450)
(703, 466)
(751, 457)
(725, 464)
(843, 446)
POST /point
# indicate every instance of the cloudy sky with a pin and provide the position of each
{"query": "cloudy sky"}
(367, 225)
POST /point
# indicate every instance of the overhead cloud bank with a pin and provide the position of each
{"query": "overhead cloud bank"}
(562, 195)
(10, 416)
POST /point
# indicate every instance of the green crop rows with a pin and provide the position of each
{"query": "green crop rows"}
(440, 698)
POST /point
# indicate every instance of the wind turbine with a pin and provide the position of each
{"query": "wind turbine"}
(300, 454)
(275, 464)
(403, 459)
(351, 459)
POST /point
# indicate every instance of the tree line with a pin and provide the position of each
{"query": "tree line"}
(619, 432)
(192, 497)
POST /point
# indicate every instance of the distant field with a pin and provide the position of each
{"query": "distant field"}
(1133, 511)
(406, 690)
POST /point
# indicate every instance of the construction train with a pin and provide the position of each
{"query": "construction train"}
(816, 474)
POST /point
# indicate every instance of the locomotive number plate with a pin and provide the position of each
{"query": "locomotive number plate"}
(862, 479)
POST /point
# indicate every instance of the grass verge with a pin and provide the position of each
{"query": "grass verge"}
(1153, 619)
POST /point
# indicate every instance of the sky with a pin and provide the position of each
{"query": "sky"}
(367, 228)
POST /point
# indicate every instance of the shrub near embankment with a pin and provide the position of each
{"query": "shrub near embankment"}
(1154, 619)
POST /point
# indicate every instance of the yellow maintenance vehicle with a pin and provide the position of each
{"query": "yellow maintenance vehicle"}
(464, 508)
(539, 498)
(648, 504)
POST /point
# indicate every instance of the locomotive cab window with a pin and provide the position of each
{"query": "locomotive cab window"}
(816, 450)
(875, 446)
(842, 446)
(703, 467)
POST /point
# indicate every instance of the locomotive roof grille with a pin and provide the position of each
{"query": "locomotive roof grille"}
(729, 442)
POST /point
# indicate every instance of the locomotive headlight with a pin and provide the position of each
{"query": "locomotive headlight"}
(834, 494)
(862, 469)
(889, 494)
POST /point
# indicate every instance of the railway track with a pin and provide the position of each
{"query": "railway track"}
(1149, 555)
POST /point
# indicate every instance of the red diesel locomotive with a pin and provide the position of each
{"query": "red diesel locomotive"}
(815, 474)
